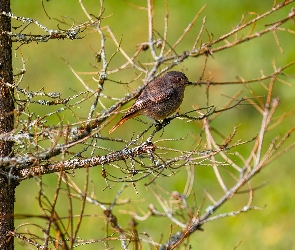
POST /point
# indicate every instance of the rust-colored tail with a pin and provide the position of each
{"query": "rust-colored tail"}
(124, 119)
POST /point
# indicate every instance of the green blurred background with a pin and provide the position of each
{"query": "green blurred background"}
(271, 228)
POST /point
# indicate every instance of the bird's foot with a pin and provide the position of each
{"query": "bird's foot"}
(160, 125)
(165, 122)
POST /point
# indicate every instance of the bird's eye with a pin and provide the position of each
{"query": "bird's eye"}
(179, 79)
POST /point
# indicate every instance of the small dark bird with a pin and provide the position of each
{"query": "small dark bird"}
(159, 99)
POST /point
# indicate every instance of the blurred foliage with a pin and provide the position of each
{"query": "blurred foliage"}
(271, 228)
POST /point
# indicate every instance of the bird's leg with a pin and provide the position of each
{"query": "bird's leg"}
(165, 122)
(158, 125)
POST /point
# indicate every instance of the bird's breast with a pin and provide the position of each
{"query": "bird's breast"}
(166, 106)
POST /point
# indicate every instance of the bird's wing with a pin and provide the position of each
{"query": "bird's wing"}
(158, 96)
(149, 97)
(138, 105)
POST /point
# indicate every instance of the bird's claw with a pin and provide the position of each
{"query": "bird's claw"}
(160, 125)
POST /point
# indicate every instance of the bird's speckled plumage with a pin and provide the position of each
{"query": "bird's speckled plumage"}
(159, 99)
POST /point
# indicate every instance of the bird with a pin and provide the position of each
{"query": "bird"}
(159, 98)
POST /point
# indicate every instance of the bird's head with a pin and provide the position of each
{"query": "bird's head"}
(177, 78)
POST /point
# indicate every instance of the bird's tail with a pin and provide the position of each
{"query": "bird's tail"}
(124, 119)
